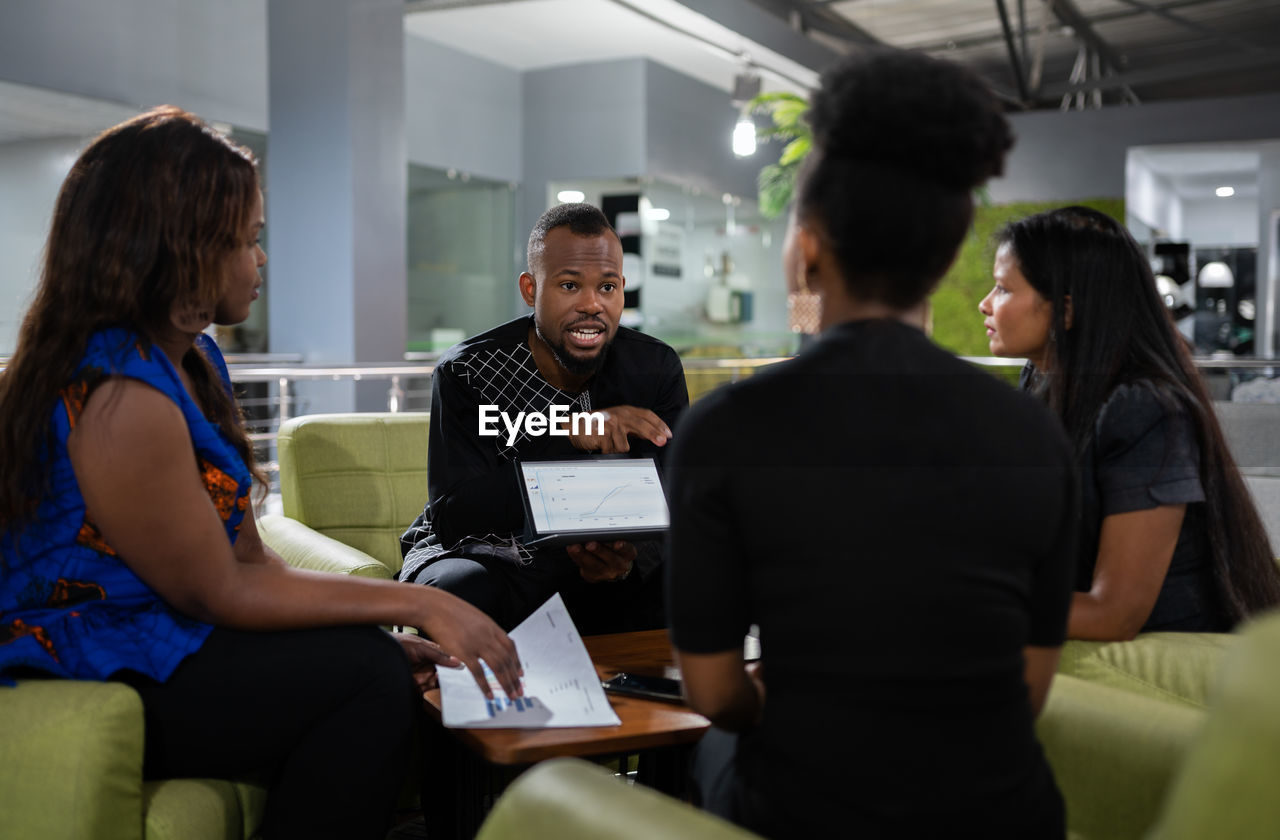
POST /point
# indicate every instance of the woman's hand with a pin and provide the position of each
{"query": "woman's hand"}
(469, 635)
(424, 655)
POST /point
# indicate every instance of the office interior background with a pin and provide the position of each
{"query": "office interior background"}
(408, 148)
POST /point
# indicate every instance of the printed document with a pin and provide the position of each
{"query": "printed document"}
(561, 687)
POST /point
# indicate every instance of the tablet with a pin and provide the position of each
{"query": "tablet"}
(603, 499)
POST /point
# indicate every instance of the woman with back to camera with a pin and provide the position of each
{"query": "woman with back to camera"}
(1169, 537)
(844, 502)
(130, 551)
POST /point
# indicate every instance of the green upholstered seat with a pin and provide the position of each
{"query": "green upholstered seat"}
(1227, 785)
(359, 479)
(71, 767)
(571, 799)
(1173, 734)
(1177, 667)
(1113, 754)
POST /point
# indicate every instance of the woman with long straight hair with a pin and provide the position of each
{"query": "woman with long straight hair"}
(1169, 536)
(128, 549)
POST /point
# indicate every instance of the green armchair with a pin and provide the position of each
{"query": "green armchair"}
(1170, 736)
(71, 767)
(350, 484)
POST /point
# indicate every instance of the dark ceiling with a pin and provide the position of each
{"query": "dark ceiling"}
(1069, 53)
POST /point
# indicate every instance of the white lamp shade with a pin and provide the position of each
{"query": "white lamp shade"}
(1216, 275)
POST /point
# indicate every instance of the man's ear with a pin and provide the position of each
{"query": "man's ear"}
(528, 286)
(1067, 317)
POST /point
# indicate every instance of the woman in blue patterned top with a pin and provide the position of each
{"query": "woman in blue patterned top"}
(129, 549)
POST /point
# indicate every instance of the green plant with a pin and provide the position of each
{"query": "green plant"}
(777, 181)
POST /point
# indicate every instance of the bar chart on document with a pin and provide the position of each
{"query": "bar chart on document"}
(503, 706)
(561, 687)
(576, 496)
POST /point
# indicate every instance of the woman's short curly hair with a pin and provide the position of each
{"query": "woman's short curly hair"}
(900, 142)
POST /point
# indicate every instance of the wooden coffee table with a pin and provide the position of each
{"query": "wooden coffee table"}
(466, 768)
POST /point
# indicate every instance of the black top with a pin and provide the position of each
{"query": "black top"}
(1143, 454)
(900, 525)
(473, 492)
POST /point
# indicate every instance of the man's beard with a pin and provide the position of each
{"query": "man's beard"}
(575, 365)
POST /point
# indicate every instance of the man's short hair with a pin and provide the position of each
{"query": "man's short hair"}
(581, 219)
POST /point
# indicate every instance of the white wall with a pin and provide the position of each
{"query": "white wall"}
(31, 173)
(1220, 221)
(462, 112)
(209, 58)
(1150, 197)
(1081, 154)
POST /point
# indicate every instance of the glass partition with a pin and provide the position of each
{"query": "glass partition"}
(462, 256)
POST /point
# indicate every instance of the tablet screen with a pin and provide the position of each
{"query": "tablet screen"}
(578, 496)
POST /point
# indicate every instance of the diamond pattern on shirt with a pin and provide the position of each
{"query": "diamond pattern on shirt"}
(508, 377)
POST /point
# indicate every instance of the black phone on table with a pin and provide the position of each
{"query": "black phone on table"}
(651, 688)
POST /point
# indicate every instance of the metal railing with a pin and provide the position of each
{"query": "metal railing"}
(271, 411)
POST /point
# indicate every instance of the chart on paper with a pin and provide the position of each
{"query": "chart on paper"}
(594, 495)
(561, 687)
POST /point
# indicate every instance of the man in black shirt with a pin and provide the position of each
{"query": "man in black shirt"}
(571, 354)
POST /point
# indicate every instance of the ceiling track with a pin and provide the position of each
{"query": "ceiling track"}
(747, 60)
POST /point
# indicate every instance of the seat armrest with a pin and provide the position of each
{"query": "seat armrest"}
(570, 799)
(1113, 753)
(71, 761)
(1226, 786)
(304, 548)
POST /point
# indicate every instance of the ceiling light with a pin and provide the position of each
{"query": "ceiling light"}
(1225, 192)
(1216, 275)
(570, 196)
(657, 214)
(744, 137)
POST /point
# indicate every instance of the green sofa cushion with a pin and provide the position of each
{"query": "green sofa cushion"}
(1227, 786)
(203, 809)
(304, 548)
(1176, 667)
(71, 767)
(71, 760)
(1113, 754)
(358, 478)
(570, 799)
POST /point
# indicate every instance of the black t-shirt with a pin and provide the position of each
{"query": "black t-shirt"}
(900, 525)
(472, 487)
(1143, 454)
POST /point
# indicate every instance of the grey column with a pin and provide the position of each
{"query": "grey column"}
(336, 180)
(1268, 293)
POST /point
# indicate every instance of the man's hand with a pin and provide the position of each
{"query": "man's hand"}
(620, 422)
(424, 656)
(603, 562)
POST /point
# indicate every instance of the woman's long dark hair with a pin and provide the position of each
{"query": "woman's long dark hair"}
(1085, 262)
(145, 220)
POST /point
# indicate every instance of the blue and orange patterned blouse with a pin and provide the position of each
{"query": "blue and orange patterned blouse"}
(68, 604)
